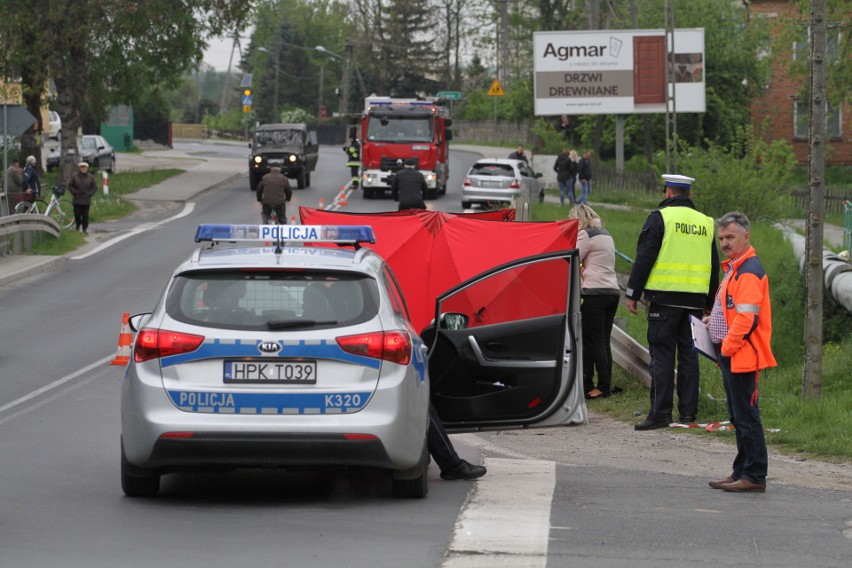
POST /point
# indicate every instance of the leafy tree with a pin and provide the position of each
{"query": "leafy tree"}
(105, 52)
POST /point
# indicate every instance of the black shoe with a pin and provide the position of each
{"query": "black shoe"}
(650, 423)
(687, 419)
(463, 470)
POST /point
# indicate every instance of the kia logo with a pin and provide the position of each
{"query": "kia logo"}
(269, 347)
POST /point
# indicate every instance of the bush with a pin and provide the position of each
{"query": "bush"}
(751, 176)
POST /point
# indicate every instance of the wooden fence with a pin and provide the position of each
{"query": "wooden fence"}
(835, 198)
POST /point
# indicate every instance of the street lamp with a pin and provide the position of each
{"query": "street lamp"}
(344, 96)
(277, 54)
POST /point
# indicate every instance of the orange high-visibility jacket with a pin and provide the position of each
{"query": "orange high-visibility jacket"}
(745, 303)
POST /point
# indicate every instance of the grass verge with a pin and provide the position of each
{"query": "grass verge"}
(104, 207)
(819, 428)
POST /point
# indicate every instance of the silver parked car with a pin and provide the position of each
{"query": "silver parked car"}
(498, 181)
(277, 355)
(97, 152)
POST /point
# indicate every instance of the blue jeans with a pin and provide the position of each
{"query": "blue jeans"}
(567, 186)
(586, 187)
(752, 461)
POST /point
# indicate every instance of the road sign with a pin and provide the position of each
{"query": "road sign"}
(246, 108)
(18, 119)
(496, 90)
(247, 100)
(450, 95)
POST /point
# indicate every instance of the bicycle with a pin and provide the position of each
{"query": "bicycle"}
(60, 211)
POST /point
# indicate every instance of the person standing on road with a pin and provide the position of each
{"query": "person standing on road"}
(740, 324)
(30, 181)
(273, 193)
(600, 295)
(566, 172)
(82, 187)
(519, 154)
(675, 267)
(409, 187)
(584, 172)
(353, 162)
(13, 177)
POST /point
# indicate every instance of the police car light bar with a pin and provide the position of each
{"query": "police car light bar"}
(352, 234)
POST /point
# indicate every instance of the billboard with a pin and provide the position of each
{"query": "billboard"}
(616, 72)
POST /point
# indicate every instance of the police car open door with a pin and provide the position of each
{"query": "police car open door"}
(506, 350)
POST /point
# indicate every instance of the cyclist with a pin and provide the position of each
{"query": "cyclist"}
(273, 193)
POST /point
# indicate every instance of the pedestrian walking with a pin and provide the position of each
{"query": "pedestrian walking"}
(82, 187)
(584, 173)
(566, 172)
(675, 269)
(273, 193)
(740, 324)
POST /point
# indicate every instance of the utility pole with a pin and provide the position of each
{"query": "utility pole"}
(344, 94)
(671, 103)
(812, 372)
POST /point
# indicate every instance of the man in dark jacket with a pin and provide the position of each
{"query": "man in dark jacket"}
(82, 187)
(566, 170)
(409, 187)
(273, 193)
(676, 268)
(584, 174)
(519, 154)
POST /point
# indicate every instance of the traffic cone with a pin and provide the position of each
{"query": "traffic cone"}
(341, 199)
(321, 204)
(122, 356)
(292, 219)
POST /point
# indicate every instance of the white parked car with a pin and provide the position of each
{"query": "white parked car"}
(498, 181)
(54, 124)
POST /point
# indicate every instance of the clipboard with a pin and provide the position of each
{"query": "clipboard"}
(701, 341)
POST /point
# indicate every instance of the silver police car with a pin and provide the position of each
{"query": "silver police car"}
(277, 355)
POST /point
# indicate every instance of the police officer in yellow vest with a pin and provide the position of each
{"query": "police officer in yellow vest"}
(675, 267)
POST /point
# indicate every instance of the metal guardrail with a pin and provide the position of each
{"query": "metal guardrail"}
(23, 226)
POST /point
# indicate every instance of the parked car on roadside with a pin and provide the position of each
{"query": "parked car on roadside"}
(98, 153)
(498, 181)
(54, 123)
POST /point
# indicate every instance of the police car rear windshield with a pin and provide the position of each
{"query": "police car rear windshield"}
(279, 300)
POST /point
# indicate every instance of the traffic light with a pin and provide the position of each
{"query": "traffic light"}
(246, 92)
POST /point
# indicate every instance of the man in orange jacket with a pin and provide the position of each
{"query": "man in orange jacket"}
(741, 326)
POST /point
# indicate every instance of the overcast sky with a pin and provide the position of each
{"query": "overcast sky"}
(218, 52)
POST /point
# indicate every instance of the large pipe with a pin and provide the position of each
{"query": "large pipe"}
(837, 272)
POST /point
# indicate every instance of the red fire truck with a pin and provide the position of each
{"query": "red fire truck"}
(393, 130)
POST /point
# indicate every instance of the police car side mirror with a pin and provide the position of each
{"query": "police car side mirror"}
(136, 321)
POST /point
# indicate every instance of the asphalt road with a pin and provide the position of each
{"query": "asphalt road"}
(550, 498)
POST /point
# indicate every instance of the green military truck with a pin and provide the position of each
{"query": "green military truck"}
(291, 147)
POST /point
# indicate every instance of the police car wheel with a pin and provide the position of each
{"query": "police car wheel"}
(415, 488)
(136, 485)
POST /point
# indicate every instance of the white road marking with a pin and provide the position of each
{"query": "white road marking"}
(55, 384)
(187, 209)
(506, 521)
